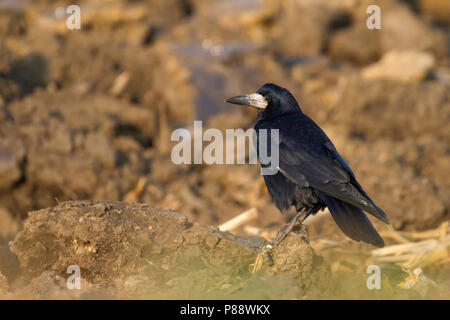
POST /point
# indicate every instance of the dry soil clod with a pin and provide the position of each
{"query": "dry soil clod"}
(134, 249)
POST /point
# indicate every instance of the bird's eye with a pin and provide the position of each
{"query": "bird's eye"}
(267, 98)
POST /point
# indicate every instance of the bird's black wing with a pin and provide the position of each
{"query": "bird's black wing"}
(331, 148)
(325, 172)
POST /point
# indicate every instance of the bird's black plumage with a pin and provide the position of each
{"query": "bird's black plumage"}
(312, 174)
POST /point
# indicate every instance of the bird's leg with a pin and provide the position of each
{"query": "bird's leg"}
(298, 218)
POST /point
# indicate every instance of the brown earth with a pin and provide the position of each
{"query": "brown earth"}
(133, 250)
(88, 114)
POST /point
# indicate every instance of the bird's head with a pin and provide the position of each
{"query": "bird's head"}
(270, 99)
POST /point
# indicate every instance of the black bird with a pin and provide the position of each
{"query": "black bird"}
(311, 173)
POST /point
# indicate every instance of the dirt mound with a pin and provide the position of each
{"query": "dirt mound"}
(88, 114)
(67, 147)
(133, 249)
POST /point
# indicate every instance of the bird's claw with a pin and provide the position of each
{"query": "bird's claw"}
(262, 257)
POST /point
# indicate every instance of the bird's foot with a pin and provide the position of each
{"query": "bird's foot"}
(264, 253)
(262, 257)
(296, 220)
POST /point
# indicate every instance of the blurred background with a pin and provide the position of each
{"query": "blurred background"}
(88, 114)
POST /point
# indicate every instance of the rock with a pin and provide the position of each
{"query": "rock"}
(438, 10)
(134, 249)
(290, 258)
(70, 144)
(401, 66)
(104, 15)
(224, 22)
(100, 148)
(401, 30)
(12, 20)
(399, 22)
(376, 101)
(355, 44)
(301, 27)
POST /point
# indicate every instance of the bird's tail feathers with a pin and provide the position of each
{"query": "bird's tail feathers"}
(353, 222)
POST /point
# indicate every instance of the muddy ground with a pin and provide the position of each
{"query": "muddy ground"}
(132, 250)
(88, 114)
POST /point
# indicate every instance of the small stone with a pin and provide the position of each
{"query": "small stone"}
(401, 66)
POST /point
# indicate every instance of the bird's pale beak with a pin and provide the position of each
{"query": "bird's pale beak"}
(254, 100)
